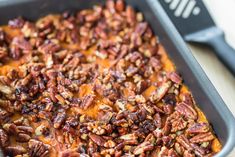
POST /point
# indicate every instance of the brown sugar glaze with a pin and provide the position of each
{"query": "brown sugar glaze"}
(57, 140)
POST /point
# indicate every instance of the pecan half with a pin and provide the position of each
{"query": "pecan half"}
(15, 150)
(203, 137)
(21, 137)
(97, 139)
(186, 110)
(174, 77)
(37, 149)
(184, 142)
(198, 128)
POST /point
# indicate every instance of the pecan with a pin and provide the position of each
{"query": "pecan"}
(169, 99)
(4, 139)
(97, 139)
(132, 136)
(184, 142)
(187, 153)
(198, 128)
(120, 6)
(4, 115)
(71, 153)
(59, 119)
(167, 152)
(178, 124)
(10, 128)
(155, 64)
(163, 152)
(167, 128)
(198, 150)
(25, 129)
(187, 99)
(37, 148)
(29, 30)
(110, 5)
(172, 153)
(157, 120)
(130, 15)
(160, 91)
(109, 144)
(131, 70)
(203, 137)
(141, 28)
(49, 47)
(3, 52)
(2, 35)
(186, 110)
(21, 137)
(87, 101)
(143, 147)
(21, 43)
(6, 89)
(178, 148)
(168, 109)
(167, 141)
(141, 86)
(174, 77)
(15, 150)
(16, 23)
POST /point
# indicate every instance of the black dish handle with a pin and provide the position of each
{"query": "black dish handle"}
(214, 37)
(224, 52)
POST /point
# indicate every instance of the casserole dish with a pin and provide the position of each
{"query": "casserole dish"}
(204, 93)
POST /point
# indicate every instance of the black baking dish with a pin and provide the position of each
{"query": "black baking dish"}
(204, 93)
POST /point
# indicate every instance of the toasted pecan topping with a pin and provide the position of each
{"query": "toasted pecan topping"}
(96, 82)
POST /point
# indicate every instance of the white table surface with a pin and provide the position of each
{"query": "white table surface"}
(223, 12)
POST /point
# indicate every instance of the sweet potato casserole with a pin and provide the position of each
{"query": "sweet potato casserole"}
(95, 83)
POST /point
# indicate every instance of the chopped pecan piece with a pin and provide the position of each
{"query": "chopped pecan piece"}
(160, 91)
(21, 43)
(49, 47)
(155, 63)
(59, 119)
(187, 99)
(130, 13)
(87, 101)
(16, 23)
(4, 139)
(3, 52)
(141, 28)
(120, 6)
(143, 147)
(188, 154)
